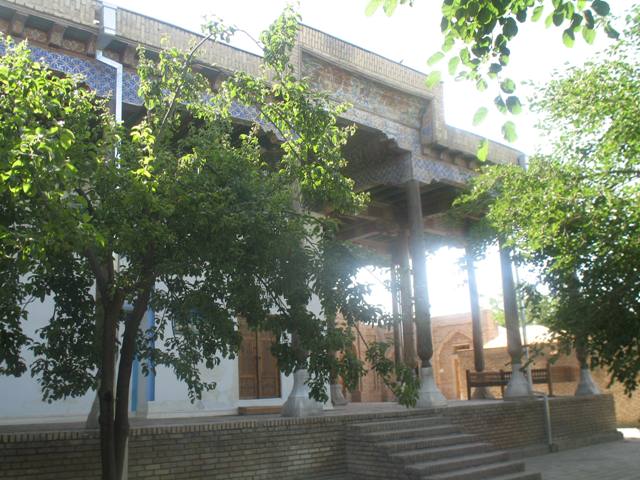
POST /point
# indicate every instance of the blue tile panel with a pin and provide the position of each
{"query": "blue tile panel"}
(101, 78)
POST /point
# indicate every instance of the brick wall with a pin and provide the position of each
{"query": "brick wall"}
(282, 448)
(518, 425)
(313, 448)
(627, 408)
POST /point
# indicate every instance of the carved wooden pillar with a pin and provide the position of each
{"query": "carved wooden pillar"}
(476, 321)
(394, 271)
(299, 402)
(406, 299)
(429, 394)
(518, 386)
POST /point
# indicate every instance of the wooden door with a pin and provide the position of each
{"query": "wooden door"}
(259, 374)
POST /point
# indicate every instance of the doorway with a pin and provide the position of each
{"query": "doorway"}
(258, 368)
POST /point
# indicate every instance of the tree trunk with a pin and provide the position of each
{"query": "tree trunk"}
(127, 355)
(106, 393)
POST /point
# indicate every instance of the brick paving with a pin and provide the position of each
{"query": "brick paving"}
(606, 461)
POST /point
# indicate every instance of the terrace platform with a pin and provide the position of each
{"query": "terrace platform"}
(269, 446)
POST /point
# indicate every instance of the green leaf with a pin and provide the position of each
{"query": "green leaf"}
(66, 138)
(372, 6)
(390, 7)
(508, 85)
(601, 8)
(588, 16)
(510, 28)
(568, 38)
(499, 103)
(480, 115)
(589, 35)
(514, 105)
(453, 65)
(435, 58)
(433, 78)
(482, 151)
(549, 20)
(611, 32)
(448, 44)
(26, 187)
(509, 131)
(558, 18)
(537, 13)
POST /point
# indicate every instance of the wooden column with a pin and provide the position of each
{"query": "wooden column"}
(518, 386)
(394, 272)
(299, 402)
(406, 299)
(429, 394)
(476, 321)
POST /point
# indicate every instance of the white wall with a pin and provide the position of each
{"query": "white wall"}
(21, 398)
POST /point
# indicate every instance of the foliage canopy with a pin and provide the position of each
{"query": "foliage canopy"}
(575, 212)
(477, 36)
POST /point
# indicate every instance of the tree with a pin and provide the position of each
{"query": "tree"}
(478, 33)
(574, 213)
(183, 212)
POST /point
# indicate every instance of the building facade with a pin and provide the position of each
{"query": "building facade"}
(404, 154)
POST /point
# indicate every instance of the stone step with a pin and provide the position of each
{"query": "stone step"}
(430, 442)
(519, 476)
(458, 463)
(428, 454)
(402, 424)
(493, 471)
(423, 432)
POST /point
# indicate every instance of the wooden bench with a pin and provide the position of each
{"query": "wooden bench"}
(501, 379)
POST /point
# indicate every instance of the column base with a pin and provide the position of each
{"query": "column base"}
(429, 396)
(299, 404)
(337, 398)
(481, 393)
(518, 387)
(92, 422)
(586, 385)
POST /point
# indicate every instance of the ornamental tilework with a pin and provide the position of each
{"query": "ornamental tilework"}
(98, 76)
(394, 172)
(130, 85)
(101, 78)
(422, 168)
(427, 171)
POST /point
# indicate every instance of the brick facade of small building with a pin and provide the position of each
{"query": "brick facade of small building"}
(453, 356)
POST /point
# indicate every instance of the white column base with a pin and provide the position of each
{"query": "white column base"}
(481, 393)
(518, 387)
(337, 398)
(299, 404)
(586, 385)
(429, 396)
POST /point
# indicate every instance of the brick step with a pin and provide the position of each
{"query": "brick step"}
(428, 454)
(423, 432)
(491, 471)
(456, 464)
(403, 424)
(431, 442)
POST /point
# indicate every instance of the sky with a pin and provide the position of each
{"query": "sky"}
(410, 36)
